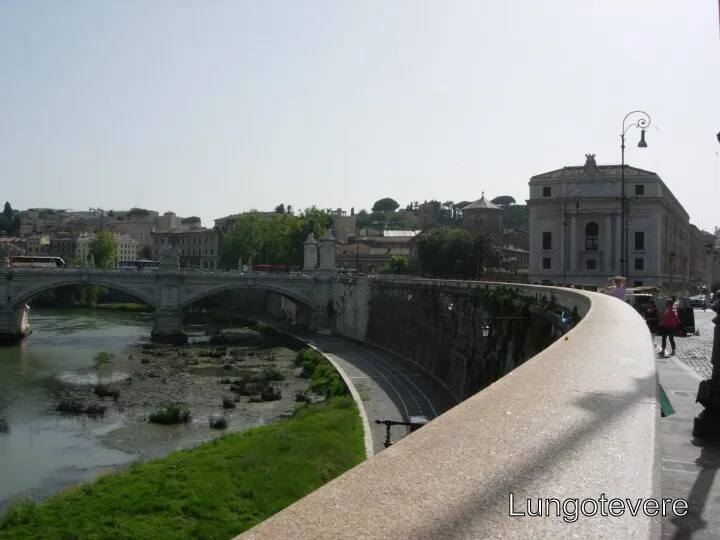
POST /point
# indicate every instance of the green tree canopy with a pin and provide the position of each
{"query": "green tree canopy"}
(138, 212)
(9, 221)
(385, 205)
(447, 252)
(396, 265)
(103, 248)
(503, 200)
(146, 253)
(277, 239)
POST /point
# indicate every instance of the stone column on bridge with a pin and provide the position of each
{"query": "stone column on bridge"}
(14, 324)
(327, 252)
(168, 327)
(311, 253)
(169, 316)
(321, 318)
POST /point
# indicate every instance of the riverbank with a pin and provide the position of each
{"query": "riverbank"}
(215, 490)
(243, 376)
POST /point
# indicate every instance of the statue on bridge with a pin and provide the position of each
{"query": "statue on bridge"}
(169, 258)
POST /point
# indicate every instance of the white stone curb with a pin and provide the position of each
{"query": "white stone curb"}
(369, 447)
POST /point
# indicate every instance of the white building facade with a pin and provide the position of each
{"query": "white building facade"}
(576, 228)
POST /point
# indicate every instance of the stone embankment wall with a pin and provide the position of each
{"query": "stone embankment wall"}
(439, 325)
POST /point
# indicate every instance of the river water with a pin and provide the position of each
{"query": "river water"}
(41, 451)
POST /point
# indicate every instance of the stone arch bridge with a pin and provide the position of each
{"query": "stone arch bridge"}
(170, 290)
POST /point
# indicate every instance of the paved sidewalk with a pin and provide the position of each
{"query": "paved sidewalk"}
(689, 468)
(695, 351)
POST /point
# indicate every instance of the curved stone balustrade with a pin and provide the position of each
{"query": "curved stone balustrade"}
(579, 420)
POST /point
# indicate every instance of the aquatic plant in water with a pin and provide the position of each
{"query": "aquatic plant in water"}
(175, 413)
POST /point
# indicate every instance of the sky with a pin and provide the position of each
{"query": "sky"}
(216, 107)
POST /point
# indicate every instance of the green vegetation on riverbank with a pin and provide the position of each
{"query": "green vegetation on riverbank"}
(124, 306)
(216, 490)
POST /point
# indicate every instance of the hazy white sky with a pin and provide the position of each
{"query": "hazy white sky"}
(213, 107)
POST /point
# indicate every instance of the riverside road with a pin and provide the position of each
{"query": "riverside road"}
(390, 388)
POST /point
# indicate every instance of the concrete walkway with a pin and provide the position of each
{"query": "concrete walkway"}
(690, 468)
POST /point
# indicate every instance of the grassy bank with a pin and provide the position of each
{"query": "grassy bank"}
(213, 491)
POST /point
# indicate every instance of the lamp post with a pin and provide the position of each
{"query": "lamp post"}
(485, 326)
(642, 122)
(421, 421)
(578, 194)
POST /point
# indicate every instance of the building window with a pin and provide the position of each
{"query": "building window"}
(639, 241)
(547, 191)
(547, 241)
(639, 189)
(590, 264)
(638, 284)
(639, 264)
(546, 263)
(592, 235)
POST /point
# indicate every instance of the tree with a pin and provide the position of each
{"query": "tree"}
(280, 208)
(8, 213)
(9, 221)
(137, 212)
(103, 249)
(396, 265)
(517, 215)
(362, 220)
(277, 240)
(503, 201)
(385, 205)
(447, 252)
(190, 220)
(146, 253)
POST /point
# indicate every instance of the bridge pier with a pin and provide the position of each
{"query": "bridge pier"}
(169, 328)
(14, 324)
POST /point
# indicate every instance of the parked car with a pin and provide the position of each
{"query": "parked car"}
(697, 301)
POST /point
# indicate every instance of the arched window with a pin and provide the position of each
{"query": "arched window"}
(592, 234)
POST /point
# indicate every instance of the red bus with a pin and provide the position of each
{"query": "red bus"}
(270, 269)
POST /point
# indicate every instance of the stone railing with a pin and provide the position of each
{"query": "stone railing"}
(580, 420)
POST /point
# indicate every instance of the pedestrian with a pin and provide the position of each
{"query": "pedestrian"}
(652, 316)
(670, 322)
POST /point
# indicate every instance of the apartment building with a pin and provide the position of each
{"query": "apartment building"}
(702, 246)
(37, 245)
(198, 248)
(576, 227)
(63, 245)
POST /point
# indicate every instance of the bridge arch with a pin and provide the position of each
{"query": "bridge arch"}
(28, 294)
(297, 298)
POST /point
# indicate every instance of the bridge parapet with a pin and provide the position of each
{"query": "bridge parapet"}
(580, 420)
(168, 289)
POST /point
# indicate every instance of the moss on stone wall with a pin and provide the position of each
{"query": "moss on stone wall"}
(441, 330)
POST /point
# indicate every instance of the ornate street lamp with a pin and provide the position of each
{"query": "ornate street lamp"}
(485, 325)
(643, 122)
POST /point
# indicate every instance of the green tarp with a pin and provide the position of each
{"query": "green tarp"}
(666, 407)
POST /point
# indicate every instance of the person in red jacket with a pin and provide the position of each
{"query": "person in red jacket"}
(670, 321)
